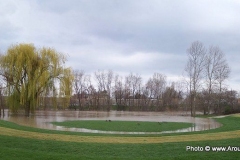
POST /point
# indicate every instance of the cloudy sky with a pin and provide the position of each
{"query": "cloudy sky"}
(139, 36)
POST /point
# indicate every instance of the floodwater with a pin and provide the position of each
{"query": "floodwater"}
(43, 119)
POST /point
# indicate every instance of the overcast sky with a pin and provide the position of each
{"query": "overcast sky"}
(139, 36)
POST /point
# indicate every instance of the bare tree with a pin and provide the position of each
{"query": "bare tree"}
(109, 89)
(133, 83)
(92, 98)
(79, 86)
(100, 79)
(194, 70)
(170, 97)
(119, 92)
(149, 92)
(179, 87)
(104, 83)
(215, 61)
(159, 83)
(221, 74)
(154, 89)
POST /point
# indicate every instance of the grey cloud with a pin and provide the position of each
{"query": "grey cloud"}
(98, 34)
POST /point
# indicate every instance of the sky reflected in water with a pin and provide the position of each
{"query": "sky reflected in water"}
(42, 119)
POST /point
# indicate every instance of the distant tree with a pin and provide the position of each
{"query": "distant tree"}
(29, 72)
(194, 69)
(104, 82)
(230, 102)
(154, 89)
(149, 92)
(133, 83)
(216, 71)
(171, 97)
(79, 86)
(159, 86)
(221, 75)
(110, 77)
(93, 96)
(119, 92)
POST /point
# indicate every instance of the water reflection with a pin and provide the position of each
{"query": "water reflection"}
(42, 119)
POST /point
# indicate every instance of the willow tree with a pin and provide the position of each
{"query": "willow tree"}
(30, 73)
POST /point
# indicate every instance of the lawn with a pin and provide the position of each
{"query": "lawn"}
(125, 126)
(19, 142)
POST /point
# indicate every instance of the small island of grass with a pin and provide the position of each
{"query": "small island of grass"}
(124, 126)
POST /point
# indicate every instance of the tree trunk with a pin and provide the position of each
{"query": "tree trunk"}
(79, 102)
(191, 104)
(108, 103)
(204, 110)
(194, 106)
(27, 109)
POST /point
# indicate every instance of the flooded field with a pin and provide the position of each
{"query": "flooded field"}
(42, 119)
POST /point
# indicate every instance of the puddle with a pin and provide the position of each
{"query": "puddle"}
(42, 119)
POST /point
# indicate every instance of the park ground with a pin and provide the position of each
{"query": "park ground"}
(21, 142)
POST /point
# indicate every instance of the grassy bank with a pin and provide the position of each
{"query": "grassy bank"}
(22, 148)
(17, 146)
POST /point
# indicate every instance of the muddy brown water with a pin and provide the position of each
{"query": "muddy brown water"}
(43, 119)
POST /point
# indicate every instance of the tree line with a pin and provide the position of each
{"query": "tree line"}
(125, 93)
(34, 78)
(202, 88)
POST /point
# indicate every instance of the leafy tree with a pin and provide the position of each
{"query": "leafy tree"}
(30, 73)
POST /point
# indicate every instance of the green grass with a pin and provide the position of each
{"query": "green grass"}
(17, 148)
(20, 148)
(229, 123)
(125, 126)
